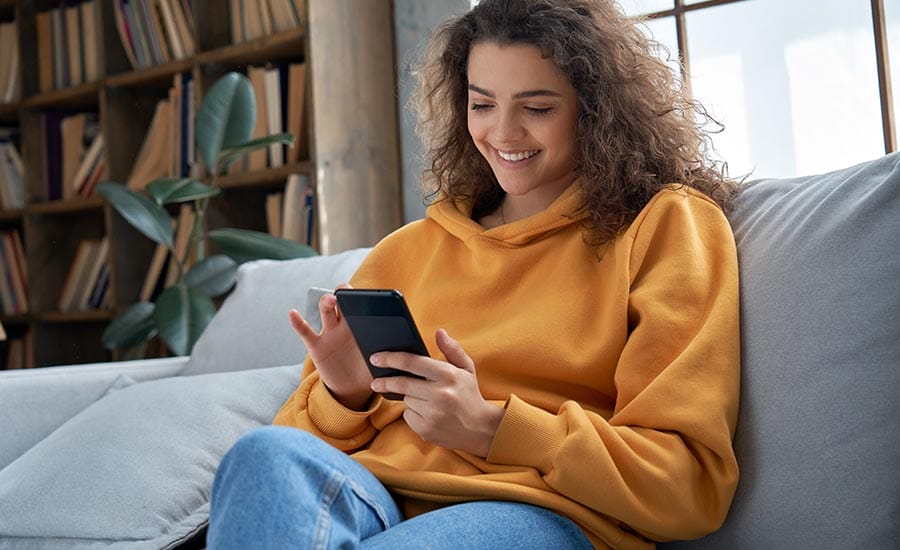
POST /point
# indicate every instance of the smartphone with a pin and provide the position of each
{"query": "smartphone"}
(380, 321)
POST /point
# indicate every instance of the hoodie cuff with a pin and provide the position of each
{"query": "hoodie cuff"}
(334, 419)
(527, 436)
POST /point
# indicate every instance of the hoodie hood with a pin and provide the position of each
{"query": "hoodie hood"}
(456, 218)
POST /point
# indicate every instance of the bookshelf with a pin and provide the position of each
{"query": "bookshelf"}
(352, 152)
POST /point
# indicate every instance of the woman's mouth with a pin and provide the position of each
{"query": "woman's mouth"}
(517, 156)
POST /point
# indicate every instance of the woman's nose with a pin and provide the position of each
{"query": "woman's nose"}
(508, 128)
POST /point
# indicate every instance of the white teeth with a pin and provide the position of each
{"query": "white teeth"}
(516, 157)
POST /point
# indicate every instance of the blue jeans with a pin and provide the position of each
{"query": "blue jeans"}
(284, 488)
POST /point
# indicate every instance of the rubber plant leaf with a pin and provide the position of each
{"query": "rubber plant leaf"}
(134, 326)
(226, 118)
(245, 245)
(182, 314)
(145, 215)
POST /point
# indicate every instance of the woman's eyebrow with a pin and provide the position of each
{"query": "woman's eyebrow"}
(518, 95)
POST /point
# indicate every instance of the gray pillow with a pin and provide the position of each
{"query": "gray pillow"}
(251, 329)
(34, 402)
(134, 469)
(818, 439)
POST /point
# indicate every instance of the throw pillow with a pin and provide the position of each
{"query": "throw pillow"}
(135, 469)
(251, 329)
(34, 402)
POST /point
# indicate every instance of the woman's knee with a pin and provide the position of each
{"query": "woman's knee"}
(270, 444)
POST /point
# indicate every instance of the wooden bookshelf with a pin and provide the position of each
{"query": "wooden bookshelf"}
(353, 151)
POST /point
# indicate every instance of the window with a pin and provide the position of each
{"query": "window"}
(800, 85)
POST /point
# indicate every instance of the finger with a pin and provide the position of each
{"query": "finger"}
(453, 351)
(328, 311)
(302, 328)
(426, 367)
(403, 385)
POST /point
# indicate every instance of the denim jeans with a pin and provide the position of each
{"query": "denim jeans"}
(284, 488)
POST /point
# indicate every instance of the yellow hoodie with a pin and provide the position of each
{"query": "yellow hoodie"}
(619, 375)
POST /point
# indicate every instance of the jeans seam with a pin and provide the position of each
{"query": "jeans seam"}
(323, 521)
(373, 503)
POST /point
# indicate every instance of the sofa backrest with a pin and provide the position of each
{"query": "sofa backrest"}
(818, 438)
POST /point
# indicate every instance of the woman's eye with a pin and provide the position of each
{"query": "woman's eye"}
(539, 110)
(479, 106)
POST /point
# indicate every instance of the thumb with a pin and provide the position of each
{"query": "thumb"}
(453, 351)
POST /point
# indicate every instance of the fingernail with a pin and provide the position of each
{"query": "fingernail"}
(375, 359)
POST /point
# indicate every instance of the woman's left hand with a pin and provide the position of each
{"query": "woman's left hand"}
(446, 408)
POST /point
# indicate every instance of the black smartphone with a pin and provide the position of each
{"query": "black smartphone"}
(380, 321)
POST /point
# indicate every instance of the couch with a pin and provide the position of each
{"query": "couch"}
(122, 455)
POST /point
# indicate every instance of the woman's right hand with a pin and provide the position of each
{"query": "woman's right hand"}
(334, 351)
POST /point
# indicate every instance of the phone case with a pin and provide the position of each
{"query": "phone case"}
(380, 321)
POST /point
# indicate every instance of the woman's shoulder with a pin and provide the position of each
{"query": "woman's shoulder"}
(678, 201)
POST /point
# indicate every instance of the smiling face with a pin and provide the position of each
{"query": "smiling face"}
(522, 115)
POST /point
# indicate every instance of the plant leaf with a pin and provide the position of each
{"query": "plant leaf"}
(171, 190)
(244, 245)
(142, 213)
(212, 276)
(182, 313)
(134, 326)
(227, 117)
(230, 154)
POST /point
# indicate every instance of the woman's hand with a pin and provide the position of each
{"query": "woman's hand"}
(446, 408)
(338, 360)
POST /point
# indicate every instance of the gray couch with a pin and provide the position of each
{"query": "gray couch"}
(123, 455)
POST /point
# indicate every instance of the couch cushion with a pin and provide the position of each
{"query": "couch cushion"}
(34, 402)
(818, 438)
(251, 329)
(134, 469)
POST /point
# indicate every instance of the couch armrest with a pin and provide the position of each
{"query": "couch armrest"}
(34, 402)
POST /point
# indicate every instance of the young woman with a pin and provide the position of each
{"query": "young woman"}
(577, 280)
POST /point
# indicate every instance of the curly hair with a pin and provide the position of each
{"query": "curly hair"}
(637, 128)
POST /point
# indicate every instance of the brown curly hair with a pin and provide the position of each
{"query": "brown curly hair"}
(637, 128)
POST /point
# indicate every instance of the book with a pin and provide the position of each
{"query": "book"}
(295, 112)
(258, 160)
(89, 40)
(154, 157)
(152, 278)
(295, 216)
(72, 133)
(77, 274)
(98, 259)
(274, 114)
(45, 51)
(273, 213)
(12, 177)
(11, 305)
(14, 271)
(73, 44)
(124, 30)
(236, 19)
(155, 24)
(51, 154)
(60, 43)
(168, 18)
(184, 25)
(265, 17)
(90, 162)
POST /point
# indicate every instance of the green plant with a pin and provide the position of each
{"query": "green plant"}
(182, 311)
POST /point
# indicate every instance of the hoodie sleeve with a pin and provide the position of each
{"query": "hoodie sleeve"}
(663, 463)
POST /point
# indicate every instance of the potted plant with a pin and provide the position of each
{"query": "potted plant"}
(182, 311)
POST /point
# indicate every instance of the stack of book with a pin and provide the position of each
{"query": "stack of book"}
(252, 19)
(68, 47)
(13, 274)
(290, 215)
(12, 174)
(10, 77)
(72, 158)
(280, 91)
(168, 148)
(155, 31)
(87, 281)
